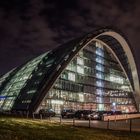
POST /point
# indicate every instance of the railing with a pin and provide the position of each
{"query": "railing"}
(121, 117)
(126, 122)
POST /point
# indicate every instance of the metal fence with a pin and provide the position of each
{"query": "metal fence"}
(127, 124)
(123, 125)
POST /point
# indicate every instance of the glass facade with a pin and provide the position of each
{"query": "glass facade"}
(72, 76)
(18, 81)
(92, 80)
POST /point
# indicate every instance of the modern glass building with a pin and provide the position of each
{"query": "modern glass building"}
(96, 71)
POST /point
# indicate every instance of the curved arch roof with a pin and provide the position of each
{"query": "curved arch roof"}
(34, 79)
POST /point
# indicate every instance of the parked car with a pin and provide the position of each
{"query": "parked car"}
(116, 113)
(88, 114)
(47, 112)
(67, 113)
(83, 114)
(98, 115)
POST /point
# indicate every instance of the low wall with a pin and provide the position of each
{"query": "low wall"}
(121, 117)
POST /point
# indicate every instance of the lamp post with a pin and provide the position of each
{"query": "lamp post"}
(114, 106)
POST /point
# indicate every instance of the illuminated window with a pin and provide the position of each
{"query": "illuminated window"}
(99, 83)
(71, 76)
(57, 102)
(120, 80)
(71, 67)
(116, 79)
(99, 49)
(64, 75)
(80, 69)
(99, 52)
(125, 87)
(1, 101)
(99, 91)
(99, 60)
(101, 107)
(99, 75)
(80, 61)
(31, 91)
(99, 67)
(80, 53)
(81, 97)
(99, 99)
(99, 45)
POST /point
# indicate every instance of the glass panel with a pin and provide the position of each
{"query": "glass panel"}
(71, 76)
(92, 80)
(80, 69)
(17, 82)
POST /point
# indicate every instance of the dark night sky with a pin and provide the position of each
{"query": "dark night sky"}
(31, 27)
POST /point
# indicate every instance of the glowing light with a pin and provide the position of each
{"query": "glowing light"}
(114, 104)
(71, 76)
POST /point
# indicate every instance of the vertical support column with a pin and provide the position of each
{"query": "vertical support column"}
(108, 124)
(33, 115)
(60, 119)
(130, 127)
(27, 114)
(40, 116)
(89, 123)
(73, 121)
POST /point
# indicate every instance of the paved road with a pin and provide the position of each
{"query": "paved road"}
(115, 125)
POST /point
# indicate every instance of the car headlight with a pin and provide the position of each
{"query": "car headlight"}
(95, 116)
(88, 115)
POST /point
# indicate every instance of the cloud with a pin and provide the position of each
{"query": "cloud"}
(31, 27)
